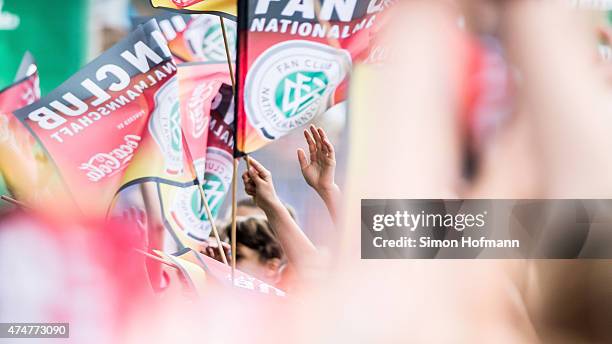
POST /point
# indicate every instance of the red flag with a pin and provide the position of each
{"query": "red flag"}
(294, 62)
(199, 85)
(25, 90)
(213, 160)
(17, 146)
(195, 38)
(120, 110)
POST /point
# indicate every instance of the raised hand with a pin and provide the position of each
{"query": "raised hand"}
(301, 253)
(210, 247)
(319, 170)
(258, 184)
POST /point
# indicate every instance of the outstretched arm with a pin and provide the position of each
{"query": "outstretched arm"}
(258, 184)
(319, 170)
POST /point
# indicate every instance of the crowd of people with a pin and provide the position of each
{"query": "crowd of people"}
(270, 245)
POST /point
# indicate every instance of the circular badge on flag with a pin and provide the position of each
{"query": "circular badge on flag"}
(210, 45)
(189, 214)
(291, 83)
(165, 127)
(187, 209)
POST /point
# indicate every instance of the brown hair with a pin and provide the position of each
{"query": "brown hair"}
(256, 234)
(250, 203)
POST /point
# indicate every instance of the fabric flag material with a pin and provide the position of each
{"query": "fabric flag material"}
(225, 8)
(199, 86)
(182, 206)
(203, 276)
(193, 275)
(17, 147)
(25, 89)
(119, 111)
(294, 59)
(195, 37)
(221, 274)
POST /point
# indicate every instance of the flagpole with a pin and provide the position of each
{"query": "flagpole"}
(234, 187)
(159, 260)
(212, 223)
(227, 54)
(15, 202)
(200, 188)
(235, 161)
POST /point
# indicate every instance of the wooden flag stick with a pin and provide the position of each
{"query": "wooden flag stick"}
(205, 202)
(15, 202)
(150, 256)
(212, 223)
(234, 187)
(228, 55)
(235, 161)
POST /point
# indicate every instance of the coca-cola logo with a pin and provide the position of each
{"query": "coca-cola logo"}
(198, 118)
(102, 165)
(185, 3)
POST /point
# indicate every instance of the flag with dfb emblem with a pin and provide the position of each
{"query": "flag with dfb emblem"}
(294, 60)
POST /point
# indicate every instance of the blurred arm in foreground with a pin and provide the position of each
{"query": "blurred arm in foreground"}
(567, 95)
(406, 142)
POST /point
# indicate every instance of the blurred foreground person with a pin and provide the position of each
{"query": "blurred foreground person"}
(87, 275)
(567, 95)
(555, 145)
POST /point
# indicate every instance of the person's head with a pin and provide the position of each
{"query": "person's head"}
(246, 207)
(258, 251)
